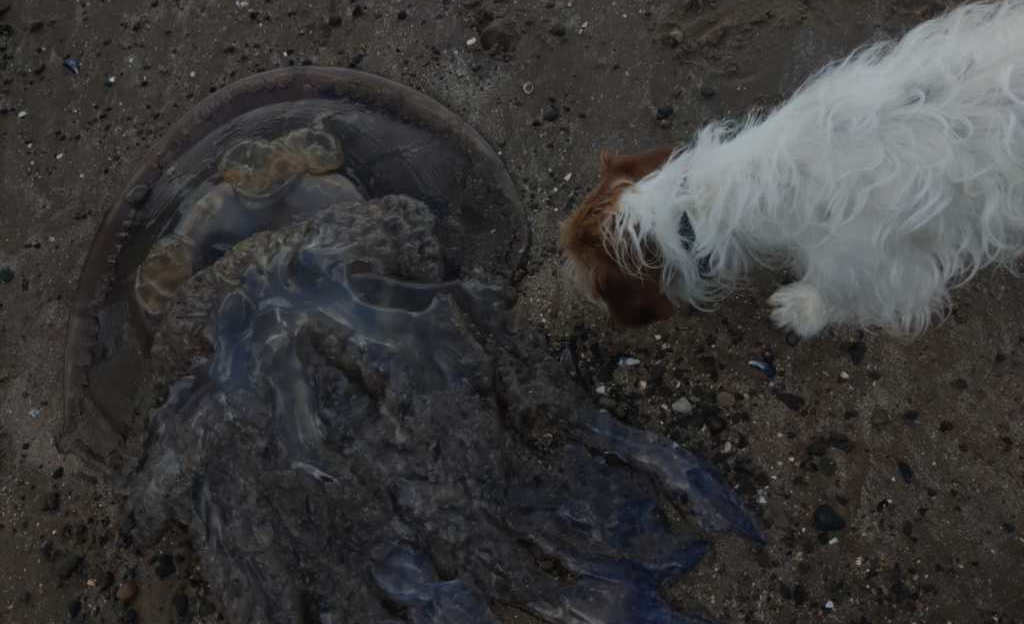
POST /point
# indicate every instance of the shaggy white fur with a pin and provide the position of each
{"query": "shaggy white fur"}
(887, 178)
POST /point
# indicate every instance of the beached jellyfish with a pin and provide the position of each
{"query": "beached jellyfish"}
(294, 338)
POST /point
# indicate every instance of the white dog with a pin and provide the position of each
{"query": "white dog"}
(887, 178)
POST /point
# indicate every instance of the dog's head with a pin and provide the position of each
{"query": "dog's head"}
(632, 299)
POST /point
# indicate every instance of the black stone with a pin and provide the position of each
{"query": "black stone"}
(550, 113)
(51, 501)
(828, 466)
(791, 401)
(857, 351)
(716, 424)
(906, 472)
(840, 441)
(165, 566)
(827, 519)
(799, 595)
(818, 447)
(69, 566)
(181, 605)
(664, 112)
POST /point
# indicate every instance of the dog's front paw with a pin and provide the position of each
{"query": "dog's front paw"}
(800, 308)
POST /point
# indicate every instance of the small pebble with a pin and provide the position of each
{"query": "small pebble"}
(550, 113)
(127, 591)
(471, 42)
(499, 36)
(22, 114)
(629, 361)
(726, 399)
(664, 112)
(110, 81)
(674, 37)
(682, 406)
(73, 65)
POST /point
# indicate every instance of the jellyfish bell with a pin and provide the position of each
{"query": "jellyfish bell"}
(260, 154)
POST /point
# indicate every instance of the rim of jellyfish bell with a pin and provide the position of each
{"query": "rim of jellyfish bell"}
(278, 86)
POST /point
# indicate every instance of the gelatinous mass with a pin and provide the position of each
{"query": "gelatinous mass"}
(293, 336)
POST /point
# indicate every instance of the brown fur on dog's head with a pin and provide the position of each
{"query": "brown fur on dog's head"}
(632, 300)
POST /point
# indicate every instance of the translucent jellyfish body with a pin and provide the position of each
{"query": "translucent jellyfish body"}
(294, 336)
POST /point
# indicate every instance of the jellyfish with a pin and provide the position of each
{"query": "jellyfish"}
(294, 335)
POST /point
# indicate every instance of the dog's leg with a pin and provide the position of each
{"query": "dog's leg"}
(801, 308)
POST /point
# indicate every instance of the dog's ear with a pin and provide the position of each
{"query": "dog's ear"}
(633, 301)
(633, 167)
